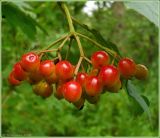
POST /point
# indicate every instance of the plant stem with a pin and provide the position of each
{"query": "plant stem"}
(88, 60)
(78, 65)
(69, 47)
(97, 44)
(79, 45)
(44, 51)
(62, 44)
(71, 28)
(68, 16)
(55, 42)
(59, 55)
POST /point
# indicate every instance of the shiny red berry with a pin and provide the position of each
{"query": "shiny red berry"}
(99, 59)
(93, 86)
(127, 67)
(18, 72)
(12, 80)
(64, 70)
(47, 67)
(81, 78)
(108, 75)
(30, 62)
(72, 91)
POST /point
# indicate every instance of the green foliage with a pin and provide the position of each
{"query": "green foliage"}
(143, 101)
(25, 114)
(18, 18)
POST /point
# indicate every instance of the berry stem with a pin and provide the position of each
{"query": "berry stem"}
(97, 44)
(78, 65)
(44, 51)
(64, 41)
(79, 45)
(113, 60)
(59, 55)
(88, 60)
(68, 49)
(55, 42)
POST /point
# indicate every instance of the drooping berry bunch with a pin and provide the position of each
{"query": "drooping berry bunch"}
(47, 77)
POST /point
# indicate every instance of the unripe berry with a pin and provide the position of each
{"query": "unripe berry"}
(100, 59)
(18, 72)
(12, 80)
(81, 78)
(73, 91)
(127, 67)
(108, 75)
(30, 62)
(64, 70)
(93, 86)
(141, 72)
(43, 89)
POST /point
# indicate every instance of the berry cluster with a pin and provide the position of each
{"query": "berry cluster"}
(75, 88)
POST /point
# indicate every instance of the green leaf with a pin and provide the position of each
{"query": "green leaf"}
(18, 18)
(141, 100)
(99, 37)
(135, 108)
(149, 9)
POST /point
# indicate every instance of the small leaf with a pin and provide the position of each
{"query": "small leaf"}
(141, 100)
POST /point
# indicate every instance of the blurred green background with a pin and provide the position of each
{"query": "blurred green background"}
(25, 114)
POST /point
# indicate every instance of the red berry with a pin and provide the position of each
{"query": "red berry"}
(64, 70)
(109, 75)
(141, 72)
(72, 91)
(34, 77)
(99, 59)
(60, 87)
(12, 80)
(93, 86)
(30, 62)
(93, 99)
(18, 72)
(52, 78)
(127, 67)
(115, 88)
(80, 103)
(81, 78)
(47, 67)
(43, 89)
